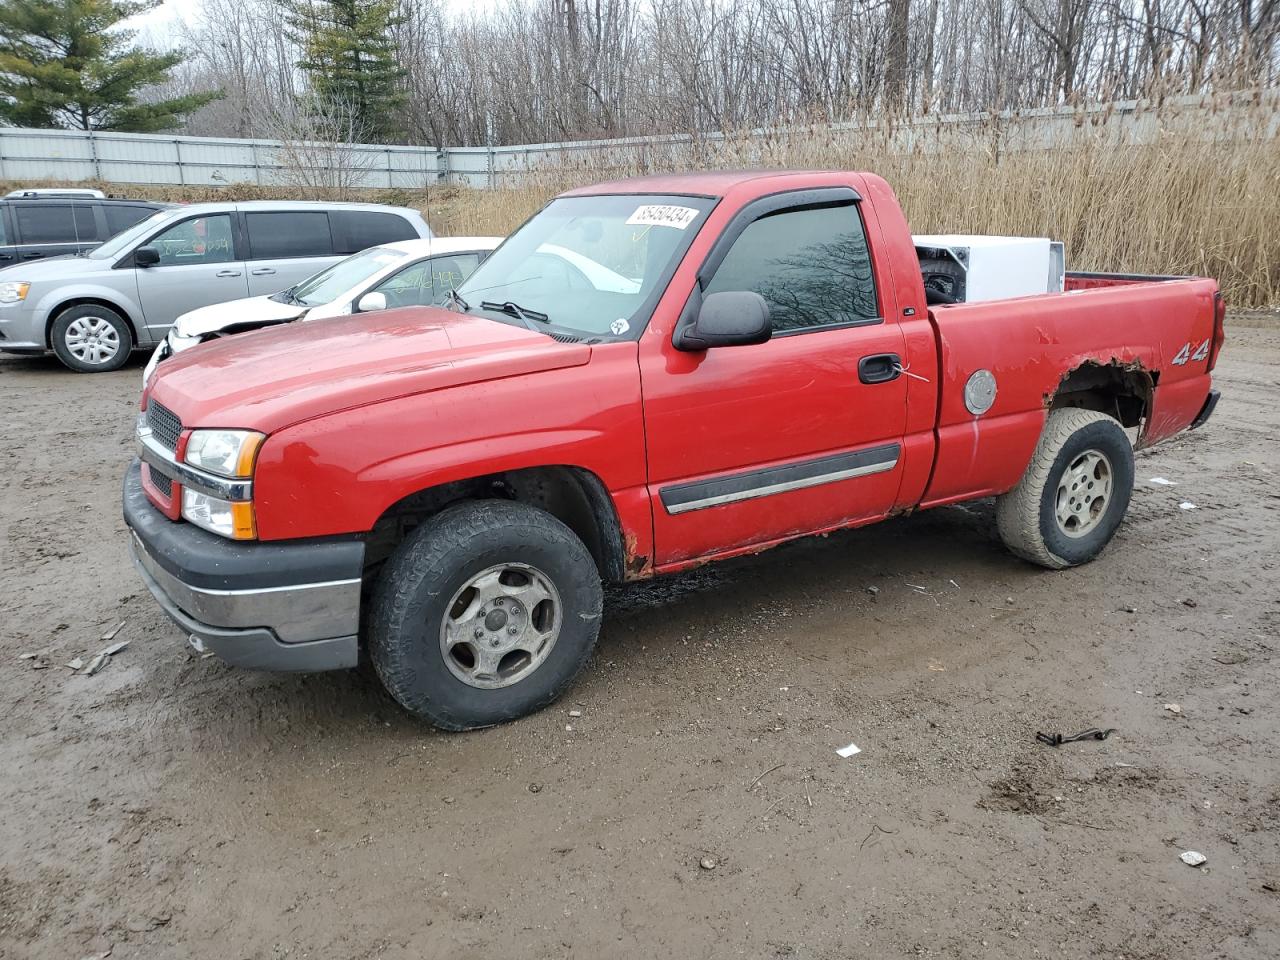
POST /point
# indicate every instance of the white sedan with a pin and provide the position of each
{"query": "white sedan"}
(403, 274)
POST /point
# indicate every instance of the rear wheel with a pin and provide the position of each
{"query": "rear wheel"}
(91, 339)
(485, 613)
(1069, 503)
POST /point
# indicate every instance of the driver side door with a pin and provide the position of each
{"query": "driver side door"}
(749, 445)
(198, 266)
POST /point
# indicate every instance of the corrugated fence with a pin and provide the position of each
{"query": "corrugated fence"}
(158, 159)
(71, 155)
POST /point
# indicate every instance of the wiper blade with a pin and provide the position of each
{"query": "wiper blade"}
(513, 309)
(454, 297)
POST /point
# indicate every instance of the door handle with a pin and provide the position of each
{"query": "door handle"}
(227, 273)
(32, 256)
(880, 368)
(262, 272)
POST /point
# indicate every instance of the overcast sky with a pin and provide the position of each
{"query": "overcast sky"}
(157, 28)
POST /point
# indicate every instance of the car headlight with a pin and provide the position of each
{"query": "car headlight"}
(228, 453)
(13, 291)
(231, 519)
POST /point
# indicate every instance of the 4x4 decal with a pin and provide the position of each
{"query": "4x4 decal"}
(1185, 354)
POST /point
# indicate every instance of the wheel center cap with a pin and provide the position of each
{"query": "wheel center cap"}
(496, 619)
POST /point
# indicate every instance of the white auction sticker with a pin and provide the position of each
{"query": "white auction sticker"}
(663, 215)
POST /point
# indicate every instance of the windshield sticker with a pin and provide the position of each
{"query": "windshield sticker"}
(619, 327)
(663, 215)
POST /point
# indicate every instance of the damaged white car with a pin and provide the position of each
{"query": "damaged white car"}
(403, 274)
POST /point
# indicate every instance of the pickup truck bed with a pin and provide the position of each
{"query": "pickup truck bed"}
(1102, 327)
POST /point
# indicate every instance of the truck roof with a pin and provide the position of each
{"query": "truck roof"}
(713, 184)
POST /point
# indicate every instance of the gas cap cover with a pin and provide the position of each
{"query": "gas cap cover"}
(980, 392)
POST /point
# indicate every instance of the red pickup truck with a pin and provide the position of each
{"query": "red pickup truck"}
(750, 357)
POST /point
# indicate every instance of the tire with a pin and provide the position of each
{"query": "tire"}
(439, 591)
(1082, 468)
(91, 339)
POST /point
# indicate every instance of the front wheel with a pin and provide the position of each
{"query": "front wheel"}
(1075, 493)
(485, 613)
(91, 338)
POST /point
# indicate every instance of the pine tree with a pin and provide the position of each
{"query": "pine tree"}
(350, 59)
(63, 64)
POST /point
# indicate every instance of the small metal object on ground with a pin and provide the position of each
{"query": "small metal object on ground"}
(1057, 739)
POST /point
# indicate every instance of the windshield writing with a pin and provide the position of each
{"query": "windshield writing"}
(589, 264)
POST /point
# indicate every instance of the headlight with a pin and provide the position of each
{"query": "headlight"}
(228, 519)
(13, 291)
(228, 453)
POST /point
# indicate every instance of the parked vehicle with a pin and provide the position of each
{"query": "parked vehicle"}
(93, 309)
(35, 225)
(458, 483)
(404, 274)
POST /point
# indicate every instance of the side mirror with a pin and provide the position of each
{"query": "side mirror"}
(146, 257)
(732, 318)
(371, 302)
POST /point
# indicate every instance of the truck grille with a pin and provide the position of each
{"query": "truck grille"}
(164, 423)
(161, 482)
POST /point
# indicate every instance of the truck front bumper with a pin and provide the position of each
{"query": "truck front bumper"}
(267, 606)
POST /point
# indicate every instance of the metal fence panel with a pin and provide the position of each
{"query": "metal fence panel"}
(137, 158)
(134, 158)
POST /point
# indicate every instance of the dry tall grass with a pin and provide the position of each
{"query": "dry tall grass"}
(1200, 195)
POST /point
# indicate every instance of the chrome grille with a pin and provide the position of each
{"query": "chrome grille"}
(164, 423)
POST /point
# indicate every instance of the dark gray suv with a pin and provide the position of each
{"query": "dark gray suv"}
(45, 225)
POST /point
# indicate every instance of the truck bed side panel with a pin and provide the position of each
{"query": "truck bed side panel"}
(1031, 344)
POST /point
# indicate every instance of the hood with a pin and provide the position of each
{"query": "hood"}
(293, 373)
(248, 314)
(65, 267)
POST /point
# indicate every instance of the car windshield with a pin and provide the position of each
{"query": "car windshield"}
(589, 264)
(327, 285)
(123, 241)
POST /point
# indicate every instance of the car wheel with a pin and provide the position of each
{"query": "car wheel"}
(1074, 494)
(485, 613)
(91, 339)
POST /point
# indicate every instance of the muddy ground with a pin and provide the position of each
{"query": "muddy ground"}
(171, 807)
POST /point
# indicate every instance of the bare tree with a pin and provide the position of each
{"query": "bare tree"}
(316, 153)
(527, 71)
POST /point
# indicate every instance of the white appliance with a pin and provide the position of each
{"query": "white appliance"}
(960, 268)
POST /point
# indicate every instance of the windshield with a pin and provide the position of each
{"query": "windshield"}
(123, 241)
(588, 264)
(327, 285)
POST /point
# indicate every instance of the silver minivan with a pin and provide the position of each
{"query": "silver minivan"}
(91, 310)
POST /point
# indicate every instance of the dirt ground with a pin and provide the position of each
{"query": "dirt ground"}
(171, 807)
